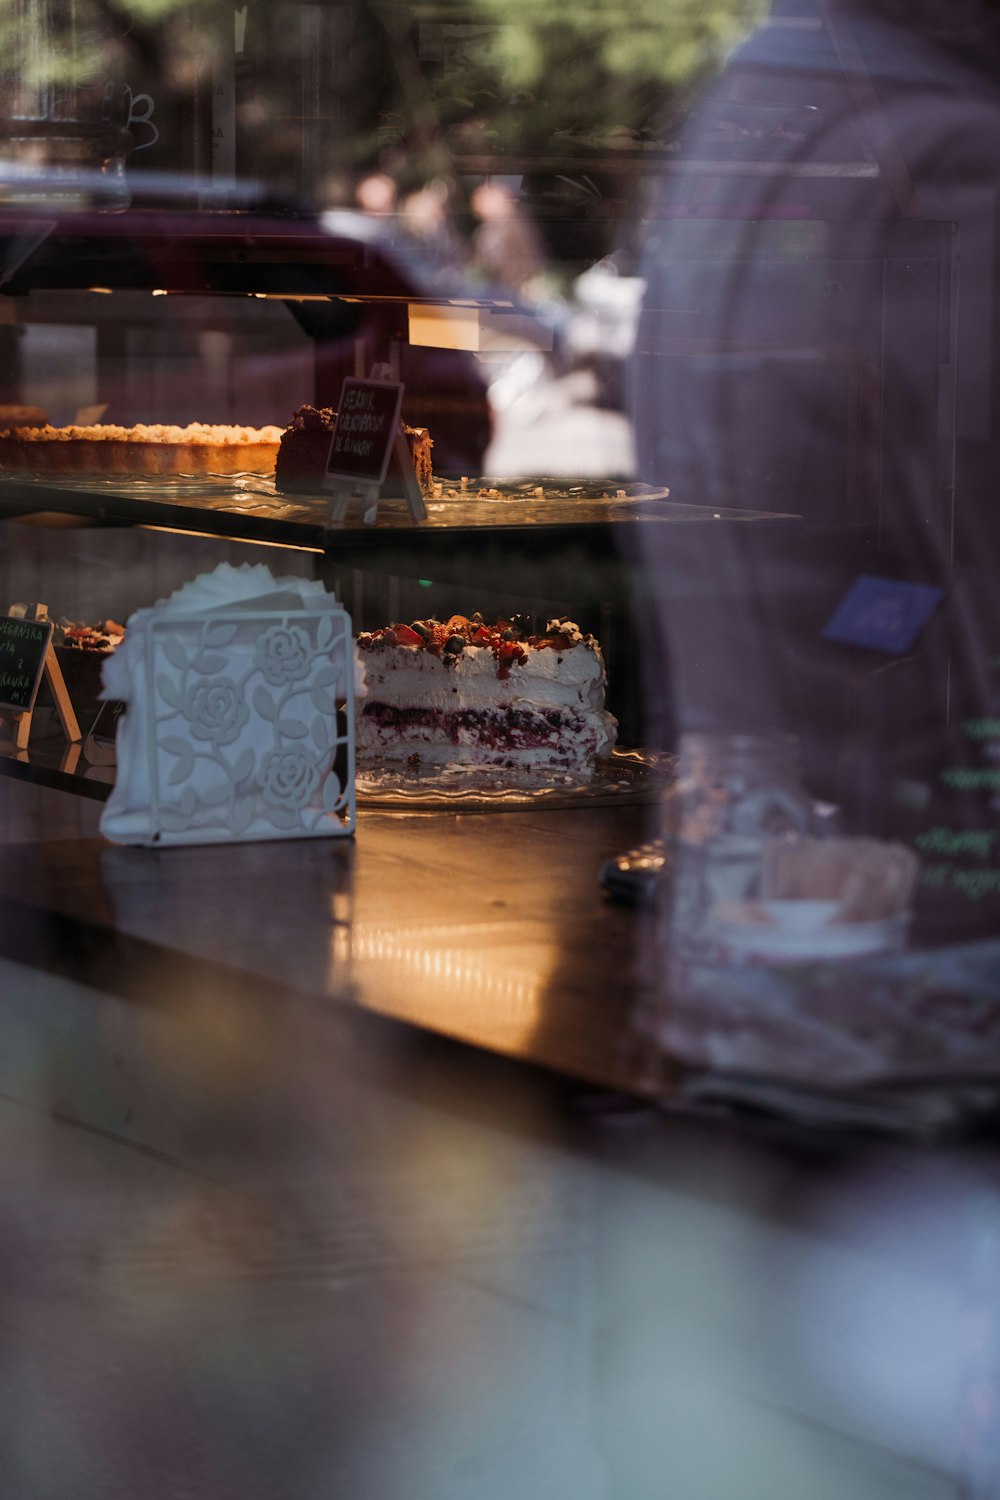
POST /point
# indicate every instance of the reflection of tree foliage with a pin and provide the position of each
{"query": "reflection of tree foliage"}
(71, 42)
(515, 74)
(86, 61)
(326, 91)
(557, 92)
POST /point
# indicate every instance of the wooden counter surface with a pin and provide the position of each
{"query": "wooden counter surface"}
(262, 1243)
(490, 928)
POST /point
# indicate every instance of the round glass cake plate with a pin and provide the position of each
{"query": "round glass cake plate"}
(257, 483)
(632, 776)
(184, 486)
(542, 487)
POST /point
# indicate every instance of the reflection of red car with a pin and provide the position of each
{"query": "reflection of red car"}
(211, 350)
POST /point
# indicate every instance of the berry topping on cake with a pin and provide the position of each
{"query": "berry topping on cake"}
(510, 641)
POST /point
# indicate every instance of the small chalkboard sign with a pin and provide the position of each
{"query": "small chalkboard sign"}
(23, 646)
(105, 726)
(99, 748)
(365, 435)
(25, 653)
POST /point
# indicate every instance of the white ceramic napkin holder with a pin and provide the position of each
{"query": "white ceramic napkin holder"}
(239, 720)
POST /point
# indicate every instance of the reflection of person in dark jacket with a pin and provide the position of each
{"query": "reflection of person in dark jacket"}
(506, 249)
(817, 339)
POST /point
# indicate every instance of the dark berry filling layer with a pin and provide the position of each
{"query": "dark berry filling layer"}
(514, 728)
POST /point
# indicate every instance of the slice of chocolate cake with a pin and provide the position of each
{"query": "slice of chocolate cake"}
(305, 447)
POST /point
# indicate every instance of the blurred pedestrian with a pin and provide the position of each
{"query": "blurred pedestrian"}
(426, 218)
(806, 346)
(506, 247)
(376, 194)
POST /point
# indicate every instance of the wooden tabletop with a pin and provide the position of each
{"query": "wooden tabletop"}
(490, 928)
(263, 1244)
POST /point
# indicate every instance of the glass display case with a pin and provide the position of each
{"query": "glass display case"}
(692, 373)
(236, 319)
(454, 1159)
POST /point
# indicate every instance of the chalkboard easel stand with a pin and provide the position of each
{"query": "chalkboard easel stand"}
(369, 492)
(367, 433)
(57, 687)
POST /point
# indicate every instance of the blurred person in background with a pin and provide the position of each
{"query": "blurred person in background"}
(808, 346)
(376, 194)
(426, 218)
(506, 247)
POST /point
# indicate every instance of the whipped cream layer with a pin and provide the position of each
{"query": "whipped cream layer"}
(562, 679)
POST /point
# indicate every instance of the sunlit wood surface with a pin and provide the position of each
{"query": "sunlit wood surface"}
(490, 928)
(262, 1241)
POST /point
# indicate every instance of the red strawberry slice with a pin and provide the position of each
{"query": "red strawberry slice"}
(406, 637)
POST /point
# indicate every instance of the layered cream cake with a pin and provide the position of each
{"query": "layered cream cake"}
(487, 694)
(199, 448)
(305, 448)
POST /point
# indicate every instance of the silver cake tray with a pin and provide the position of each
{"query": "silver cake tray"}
(624, 776)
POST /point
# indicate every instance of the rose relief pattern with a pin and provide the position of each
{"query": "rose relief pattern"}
(253, 726)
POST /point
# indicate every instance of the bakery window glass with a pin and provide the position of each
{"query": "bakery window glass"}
(694, 319)
(488, 163)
